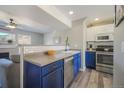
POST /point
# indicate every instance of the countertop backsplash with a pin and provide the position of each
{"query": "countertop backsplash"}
(33, 49)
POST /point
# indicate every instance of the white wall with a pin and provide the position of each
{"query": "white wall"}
(84, 42)
(36, 38)
(77, 38)
(75, 35)
(49, 37)
(119, 56)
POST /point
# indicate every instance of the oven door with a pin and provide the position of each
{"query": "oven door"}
(105, 58)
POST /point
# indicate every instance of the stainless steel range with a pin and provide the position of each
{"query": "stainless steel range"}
(104, 58)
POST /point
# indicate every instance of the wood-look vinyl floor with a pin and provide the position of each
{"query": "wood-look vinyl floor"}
(92, 79)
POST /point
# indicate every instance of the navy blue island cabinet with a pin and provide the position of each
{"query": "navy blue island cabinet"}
(49, 76)
(90, 58)
(77, 64)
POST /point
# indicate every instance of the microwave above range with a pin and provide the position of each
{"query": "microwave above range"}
(104, 37)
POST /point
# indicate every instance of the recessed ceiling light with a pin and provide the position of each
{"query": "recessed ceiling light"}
(71, 12)
(96, 19)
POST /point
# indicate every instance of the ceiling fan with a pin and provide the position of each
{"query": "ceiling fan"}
(11, 24)
(4, 25)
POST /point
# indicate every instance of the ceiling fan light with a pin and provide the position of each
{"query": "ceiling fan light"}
(11, 26)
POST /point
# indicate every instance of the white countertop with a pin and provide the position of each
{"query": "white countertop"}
(41, 59)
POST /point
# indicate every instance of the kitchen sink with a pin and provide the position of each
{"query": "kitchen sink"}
(67, 51)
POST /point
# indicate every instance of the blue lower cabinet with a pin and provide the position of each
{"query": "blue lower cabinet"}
(90, 59)
(77, 64)
(32, 74)
(50, 76)
(75, 68)
(54, 80)
(79, 61)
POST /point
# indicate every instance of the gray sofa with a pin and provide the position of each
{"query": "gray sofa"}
(13, 73)
(10, 72)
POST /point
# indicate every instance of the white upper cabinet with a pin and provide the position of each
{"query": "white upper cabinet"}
(96, 30)
(105, 29)
(90, 34)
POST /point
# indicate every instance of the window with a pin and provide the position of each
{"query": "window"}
(7, 38)
(24, 39)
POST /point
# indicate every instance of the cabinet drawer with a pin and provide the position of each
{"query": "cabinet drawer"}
(49, 68)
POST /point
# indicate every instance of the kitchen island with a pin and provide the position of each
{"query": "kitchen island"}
(44, 71)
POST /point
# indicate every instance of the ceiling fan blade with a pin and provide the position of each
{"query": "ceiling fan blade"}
(4, 28)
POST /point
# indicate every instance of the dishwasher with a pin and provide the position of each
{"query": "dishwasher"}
(68, 71)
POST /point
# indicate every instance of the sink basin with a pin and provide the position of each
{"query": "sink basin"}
(67, 51)
(62, 54)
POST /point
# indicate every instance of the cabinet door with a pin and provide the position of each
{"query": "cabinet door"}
(79, 61)
(90, 59)
(54, 79)
(77, 64)
(93, 31)
(75, 67)
(32, 74)
(90, 34)
(105, 29)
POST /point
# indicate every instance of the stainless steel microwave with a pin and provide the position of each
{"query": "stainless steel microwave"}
(104, 37)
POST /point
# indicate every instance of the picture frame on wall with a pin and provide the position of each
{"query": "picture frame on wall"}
(119, 14)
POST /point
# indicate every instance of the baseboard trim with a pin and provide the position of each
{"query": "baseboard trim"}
(83, 69)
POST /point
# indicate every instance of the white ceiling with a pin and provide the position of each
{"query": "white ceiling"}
(36, 19)
(81, 11)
